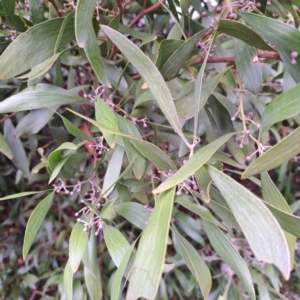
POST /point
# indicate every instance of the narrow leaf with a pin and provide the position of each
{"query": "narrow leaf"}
(92, 52)
(258, 224)
(194, 262)
(230, 255)
(68, 281)
(154, 154)
(243, 33)
(272, 195)
(33, 47)
(4, 148)
(284, 106)
(83, 17)
(120, 272)
(20, 158)
(35, 221)
(77, 245)
(150, 74)
(286, 149)
(285, 34)
(37, 99)
(92, 274)
(198, 210)
(135, 213)
(19, 195)
(113, 170)
(149, 262)
(175, 62)
(248, 66)
(193, 164)
(116, 243)
(185, 105)
(105, 115)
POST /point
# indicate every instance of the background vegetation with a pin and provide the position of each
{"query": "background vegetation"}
(148, 149)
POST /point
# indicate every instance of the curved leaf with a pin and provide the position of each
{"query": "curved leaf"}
(135, 213)
(78, 241)
(248, 66)
(282, 107)
(286, 149)
(272, 195)
(116, 244)
(193, 164)
(83, 17)
(149, 262)
(230, 255)
(37, 99)
(258, 224)
(33, 47)
(285, 34)
(35, 221)
(151, 76)
(4, 148)
(194, 262)
(198, 210)
(243, 33)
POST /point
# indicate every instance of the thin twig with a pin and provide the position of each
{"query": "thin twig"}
(55, 7)
(8, 116)
(144, 12)
(121, 9)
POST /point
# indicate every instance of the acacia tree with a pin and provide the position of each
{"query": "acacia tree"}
(126, 128)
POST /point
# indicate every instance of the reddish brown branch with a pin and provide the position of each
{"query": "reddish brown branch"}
(261, 54)
(8, 116)
(121, 9)
(144, 12)
(55, 7)
(230, 60)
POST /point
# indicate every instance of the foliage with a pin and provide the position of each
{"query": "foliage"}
(126, 128)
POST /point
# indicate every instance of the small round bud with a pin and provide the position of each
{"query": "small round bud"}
(76, 214)
(236, 139)
(293, 62)
(241, 1)
(241, 146)
(145, 125)
(250, 114)
(147, 222)
(195, 187)
(210, 55)
(204, 14)
(258, 5)
(218, 9)
(268, 3)
(232, 119)
(178, 193)
(294, 54)
(248, 158)
(98, 18)
(85, 229)
(247, 132)
(78, 220)
(257, 125)
(225, 35)
(235, 90)
(231, 16)
(184, 161)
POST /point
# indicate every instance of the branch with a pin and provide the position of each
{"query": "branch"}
(55, 7)
(261, 54)
(230, 60)
(144, 12)
(121, 9)
(8, 116)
